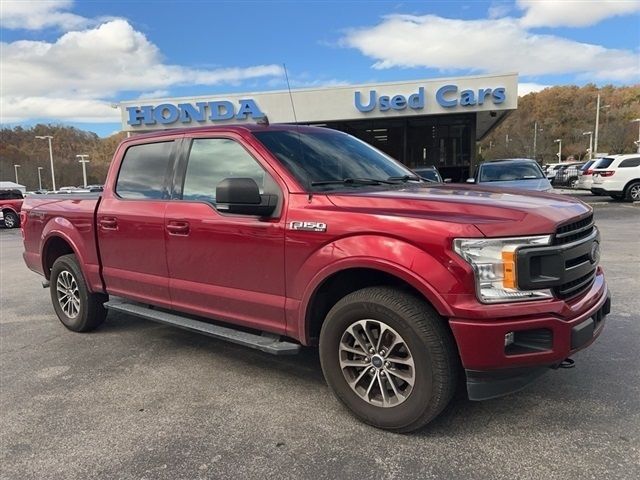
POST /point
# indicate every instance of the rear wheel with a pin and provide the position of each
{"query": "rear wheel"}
(632, 193)
(389, 358)
(573, 182)
(77, 308)
(11, 220)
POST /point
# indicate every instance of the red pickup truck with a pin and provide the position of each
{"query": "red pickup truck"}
(10, 205)
(280, 236)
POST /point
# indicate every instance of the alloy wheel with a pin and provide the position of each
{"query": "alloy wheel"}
(68, 294)
(377, 363)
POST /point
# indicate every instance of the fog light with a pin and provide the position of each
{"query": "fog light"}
(509, 338)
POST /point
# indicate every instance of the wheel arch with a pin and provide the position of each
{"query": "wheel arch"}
(629, 183)
(60, 237)
(344, 278)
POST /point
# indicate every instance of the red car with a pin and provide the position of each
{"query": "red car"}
(10, 205)
(280, 236)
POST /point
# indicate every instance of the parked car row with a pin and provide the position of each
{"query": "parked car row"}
(11, 201)
(87, 189)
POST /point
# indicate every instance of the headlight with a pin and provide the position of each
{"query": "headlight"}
(494, 265)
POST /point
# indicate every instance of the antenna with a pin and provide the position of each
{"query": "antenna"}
(293, 107)
(295, 117)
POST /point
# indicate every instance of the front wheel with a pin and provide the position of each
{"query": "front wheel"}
(77, 308)
(389, 357)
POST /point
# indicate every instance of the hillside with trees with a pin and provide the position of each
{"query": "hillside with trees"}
(560, 112)
(19, 146)
(566, 113)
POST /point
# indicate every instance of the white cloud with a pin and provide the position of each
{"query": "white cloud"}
(498, 9)
(573, 13)
(39, 14)
(82, 69)
(18, 109)
(525, 88)
(486, 46)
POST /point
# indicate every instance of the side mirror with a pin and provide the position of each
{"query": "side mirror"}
(447, 180)
(471, 180)
(242, 196)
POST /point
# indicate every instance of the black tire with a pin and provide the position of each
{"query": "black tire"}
(90, 311)
(11, 220)
(632, 192)
(428, 339)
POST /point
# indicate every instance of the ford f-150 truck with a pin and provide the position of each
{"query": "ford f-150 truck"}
(276, 236)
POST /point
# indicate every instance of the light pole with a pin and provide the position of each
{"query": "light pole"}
(598, 108)
(53, 175)
(39, 178)
(590, 144)
(559, 142)
(83, 160)
(16, 167)
(535, 139)
(637, 142)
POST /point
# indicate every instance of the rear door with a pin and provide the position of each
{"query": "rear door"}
(130, 223)
(225, 266)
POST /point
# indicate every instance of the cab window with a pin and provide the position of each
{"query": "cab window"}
(211, 160)
(144, 170)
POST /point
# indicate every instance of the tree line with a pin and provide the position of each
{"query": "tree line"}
(566, 113)
(560, 113)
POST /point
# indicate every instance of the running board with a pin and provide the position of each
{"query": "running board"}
(266, 342)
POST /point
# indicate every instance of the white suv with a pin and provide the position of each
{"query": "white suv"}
(618, 176)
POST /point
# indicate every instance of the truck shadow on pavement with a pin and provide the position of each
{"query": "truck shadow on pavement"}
(527, 410)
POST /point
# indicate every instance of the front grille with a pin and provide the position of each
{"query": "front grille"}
(574, 231)
(575, 287)
(568, 266)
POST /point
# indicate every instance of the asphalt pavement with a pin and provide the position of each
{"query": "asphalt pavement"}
(139, 400)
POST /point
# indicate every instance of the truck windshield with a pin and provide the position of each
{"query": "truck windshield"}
(328, 159)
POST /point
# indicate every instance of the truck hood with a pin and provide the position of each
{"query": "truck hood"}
(494, 211)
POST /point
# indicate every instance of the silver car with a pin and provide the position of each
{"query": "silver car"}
(520, 173)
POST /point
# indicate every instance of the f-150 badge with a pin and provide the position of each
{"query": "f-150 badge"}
(308, 226)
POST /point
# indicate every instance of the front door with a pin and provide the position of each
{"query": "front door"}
(224, 266)
(130, 223)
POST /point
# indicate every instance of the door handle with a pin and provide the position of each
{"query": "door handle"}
(108, 223)
(178, 227)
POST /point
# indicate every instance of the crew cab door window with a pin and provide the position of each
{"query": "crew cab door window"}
(144, 170)
(211, 160)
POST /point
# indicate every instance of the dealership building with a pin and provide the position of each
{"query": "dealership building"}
(423, 122)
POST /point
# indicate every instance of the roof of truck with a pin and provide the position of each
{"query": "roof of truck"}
(245, 127)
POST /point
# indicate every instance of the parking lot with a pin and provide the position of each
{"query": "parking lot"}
(135, 399)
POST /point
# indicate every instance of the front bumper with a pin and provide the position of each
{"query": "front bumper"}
(541, 341)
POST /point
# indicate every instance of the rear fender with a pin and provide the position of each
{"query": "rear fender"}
(82, 244)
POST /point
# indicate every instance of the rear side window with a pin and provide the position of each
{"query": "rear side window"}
(630, 162)
(143, 171)
(211, 160)
(604, 163)
(11, 195)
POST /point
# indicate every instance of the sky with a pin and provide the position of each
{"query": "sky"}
(67, 62)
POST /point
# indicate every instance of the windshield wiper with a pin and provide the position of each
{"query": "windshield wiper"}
(406, 178)
(353, 181)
